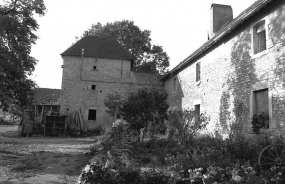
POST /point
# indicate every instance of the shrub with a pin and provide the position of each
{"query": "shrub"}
(144, 107)
(260, 121)
(187, 124)
(99, 130)
(95, 173)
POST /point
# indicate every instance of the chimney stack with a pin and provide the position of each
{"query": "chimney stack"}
(220, 15)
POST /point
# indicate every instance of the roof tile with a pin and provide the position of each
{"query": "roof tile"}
(46, 96)
(99, 47)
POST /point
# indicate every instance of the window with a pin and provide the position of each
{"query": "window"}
(174, 84)
(259, 37)
(118, 116)
(198, 72)
(94, 67)
(92, 114)
(261, 103)
(91, 87)
(197, 112)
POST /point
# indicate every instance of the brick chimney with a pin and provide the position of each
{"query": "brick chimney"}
(220, 15)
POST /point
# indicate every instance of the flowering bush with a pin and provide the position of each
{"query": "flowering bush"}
(275, 173)
(227, 175)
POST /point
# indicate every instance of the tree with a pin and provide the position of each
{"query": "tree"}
(113, 102)
(17, 27)
(148, 58)
(144, 107)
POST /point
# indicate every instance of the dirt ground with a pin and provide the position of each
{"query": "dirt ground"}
(41, 160)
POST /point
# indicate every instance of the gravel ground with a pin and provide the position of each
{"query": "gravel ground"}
(41, 160)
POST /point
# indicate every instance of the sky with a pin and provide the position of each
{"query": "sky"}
(179, 26)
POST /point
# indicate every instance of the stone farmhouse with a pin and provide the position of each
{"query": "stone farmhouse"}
(92, 68)
(239, 70)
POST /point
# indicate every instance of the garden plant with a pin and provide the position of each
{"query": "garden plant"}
(178, 155)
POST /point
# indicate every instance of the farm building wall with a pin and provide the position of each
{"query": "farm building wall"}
(106, 75)
(231, 72)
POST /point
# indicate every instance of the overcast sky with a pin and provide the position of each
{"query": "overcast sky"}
(179, 26)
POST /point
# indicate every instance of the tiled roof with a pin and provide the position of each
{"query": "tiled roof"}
(224, 31)
(99, 47)
(46, 96)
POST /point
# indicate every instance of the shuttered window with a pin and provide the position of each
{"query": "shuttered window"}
(198, 72)
(259, 37)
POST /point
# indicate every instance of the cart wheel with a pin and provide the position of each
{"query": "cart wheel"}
(272, 155)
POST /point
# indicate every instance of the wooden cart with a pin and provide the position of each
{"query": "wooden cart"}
(54, 125)
(272, 155)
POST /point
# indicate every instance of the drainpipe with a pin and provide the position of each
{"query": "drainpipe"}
(81, 64)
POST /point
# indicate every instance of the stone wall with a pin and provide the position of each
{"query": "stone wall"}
(110, 75)
(230, 73)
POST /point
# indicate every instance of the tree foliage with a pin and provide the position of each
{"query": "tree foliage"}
(113, 102)
(17, 27)
(148, 58)
(145, 106)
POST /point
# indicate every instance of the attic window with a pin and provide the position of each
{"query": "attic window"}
(259, 37)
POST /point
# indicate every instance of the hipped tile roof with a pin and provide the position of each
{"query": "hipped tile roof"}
(46, 96)
(98, 47)
(224, 31)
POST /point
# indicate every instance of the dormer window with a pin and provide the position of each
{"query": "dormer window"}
(259, 37)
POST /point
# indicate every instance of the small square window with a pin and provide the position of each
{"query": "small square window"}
(197, 110)
(92, 114)
(93, 87)
(198, 72)
(94, 67)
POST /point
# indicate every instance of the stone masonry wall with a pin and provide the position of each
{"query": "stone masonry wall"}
(230, 73)
(110, 75)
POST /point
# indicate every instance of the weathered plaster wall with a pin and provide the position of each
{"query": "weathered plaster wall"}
(110, 75)
(230, 72)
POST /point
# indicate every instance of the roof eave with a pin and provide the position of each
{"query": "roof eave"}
(214, 40)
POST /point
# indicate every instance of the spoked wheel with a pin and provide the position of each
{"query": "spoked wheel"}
(272, 155)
